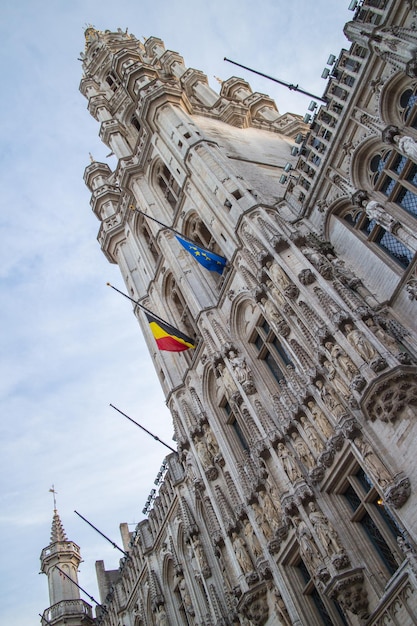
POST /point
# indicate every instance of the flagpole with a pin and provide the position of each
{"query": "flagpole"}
(103, 535)
(280, 82)
(137, 303)
(143, 428)
(83, 590)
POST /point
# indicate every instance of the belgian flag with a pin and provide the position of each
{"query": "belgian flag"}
(168, 337)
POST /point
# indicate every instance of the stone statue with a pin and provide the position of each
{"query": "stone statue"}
(308, 549)
(269, 509)
(203, 453)
(324, 531)
(291, 469)
(360, 343)
(262, 522)
(408, 146)
(240, 368)
(227, 380)
(320, 419)
(382, 335)
(278, 276)
(337, 381)
(330, 399)
(191, 466)
(252, 539)
(242, 555)
(315, 441)
(376, 211)
(372, 462)
(210, 440)
(303, 452)
(186, 598)
(161, 617)
(341, 360)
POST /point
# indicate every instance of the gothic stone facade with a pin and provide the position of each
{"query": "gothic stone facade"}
(291, 499)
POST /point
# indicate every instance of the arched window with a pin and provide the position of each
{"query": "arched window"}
(182, 315)
(408, 106)
(270, 350)
(168, 185)
(395, 175)
(377, 235)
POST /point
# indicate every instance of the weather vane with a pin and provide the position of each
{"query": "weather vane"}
(52, 490)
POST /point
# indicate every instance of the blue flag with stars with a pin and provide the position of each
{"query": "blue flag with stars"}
(211, 261)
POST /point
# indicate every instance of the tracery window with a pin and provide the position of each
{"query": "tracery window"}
(168, 185)
(377, 525)
(326, 612)
(408, 106)
(233, 421)
(379, 236)
(395, 175)
(270, 350)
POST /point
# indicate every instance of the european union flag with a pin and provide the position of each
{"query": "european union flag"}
(211, 261)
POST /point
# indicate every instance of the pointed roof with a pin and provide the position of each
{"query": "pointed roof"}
(57, 530)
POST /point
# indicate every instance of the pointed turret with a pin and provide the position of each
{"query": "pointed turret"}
(60, 561)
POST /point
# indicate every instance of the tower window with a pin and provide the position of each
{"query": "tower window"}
(375, 521)
(270, 349)
(168, 185)
(380, 237)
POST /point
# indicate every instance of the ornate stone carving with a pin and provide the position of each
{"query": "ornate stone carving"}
(349, 590)
(242, 555)
(254, 606)
(242, 372)
(399, 492)
(306, 277)
(392, 397)
(288, 463)
(327, 536)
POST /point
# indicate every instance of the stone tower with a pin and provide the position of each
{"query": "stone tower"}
(66, 607)
(290, 498)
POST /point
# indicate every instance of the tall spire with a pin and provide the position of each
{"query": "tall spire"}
(66, 607)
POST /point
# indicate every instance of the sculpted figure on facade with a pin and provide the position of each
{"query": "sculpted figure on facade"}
(324, 531)
(161, 618)
(372, 462)
(320, 419)
(281, 610)
(229, 384)
(302, 451)
(251, 539)
(315, 442)
(271, 513)
(361, 344)
(375, 211)
(387, 340)
(337, 382)
(241, 371)
(261, 521)
(308, 549)
(341, 360)
(203, 453)
(330, 399)
(185, 596)
(211, 441)
(408, 146)
(191, 467)
(288, 463)
(242, 554)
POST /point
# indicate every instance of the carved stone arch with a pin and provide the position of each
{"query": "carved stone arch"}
(360, 164)
(242, 314)
(172, 294)
(392, 396)
(142, 228)
(338, 208)
(164, 185)
(390, 109)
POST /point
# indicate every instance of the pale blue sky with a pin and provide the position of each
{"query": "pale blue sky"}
(70, 345)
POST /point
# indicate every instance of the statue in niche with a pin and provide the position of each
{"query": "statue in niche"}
(377, 212)
(161, 617)
(330, 399)
(408, 146)
(229, 384)
(308, 549)
(320, 419)
(337, 381)
(203, 453)
(324, 531)
(242, 555)
(314, 440)
(261, 521)
(281, 610)
(291, 468)
(198, 551)
(386, 339)
(341, 360)
(302, 451)
(252, 539)
(320, 262)
(279, 277)
(272, 515)
(185, 596)
(372, 462)
(211, 441)
(240, 368)
(361, 344)
(191, 466)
